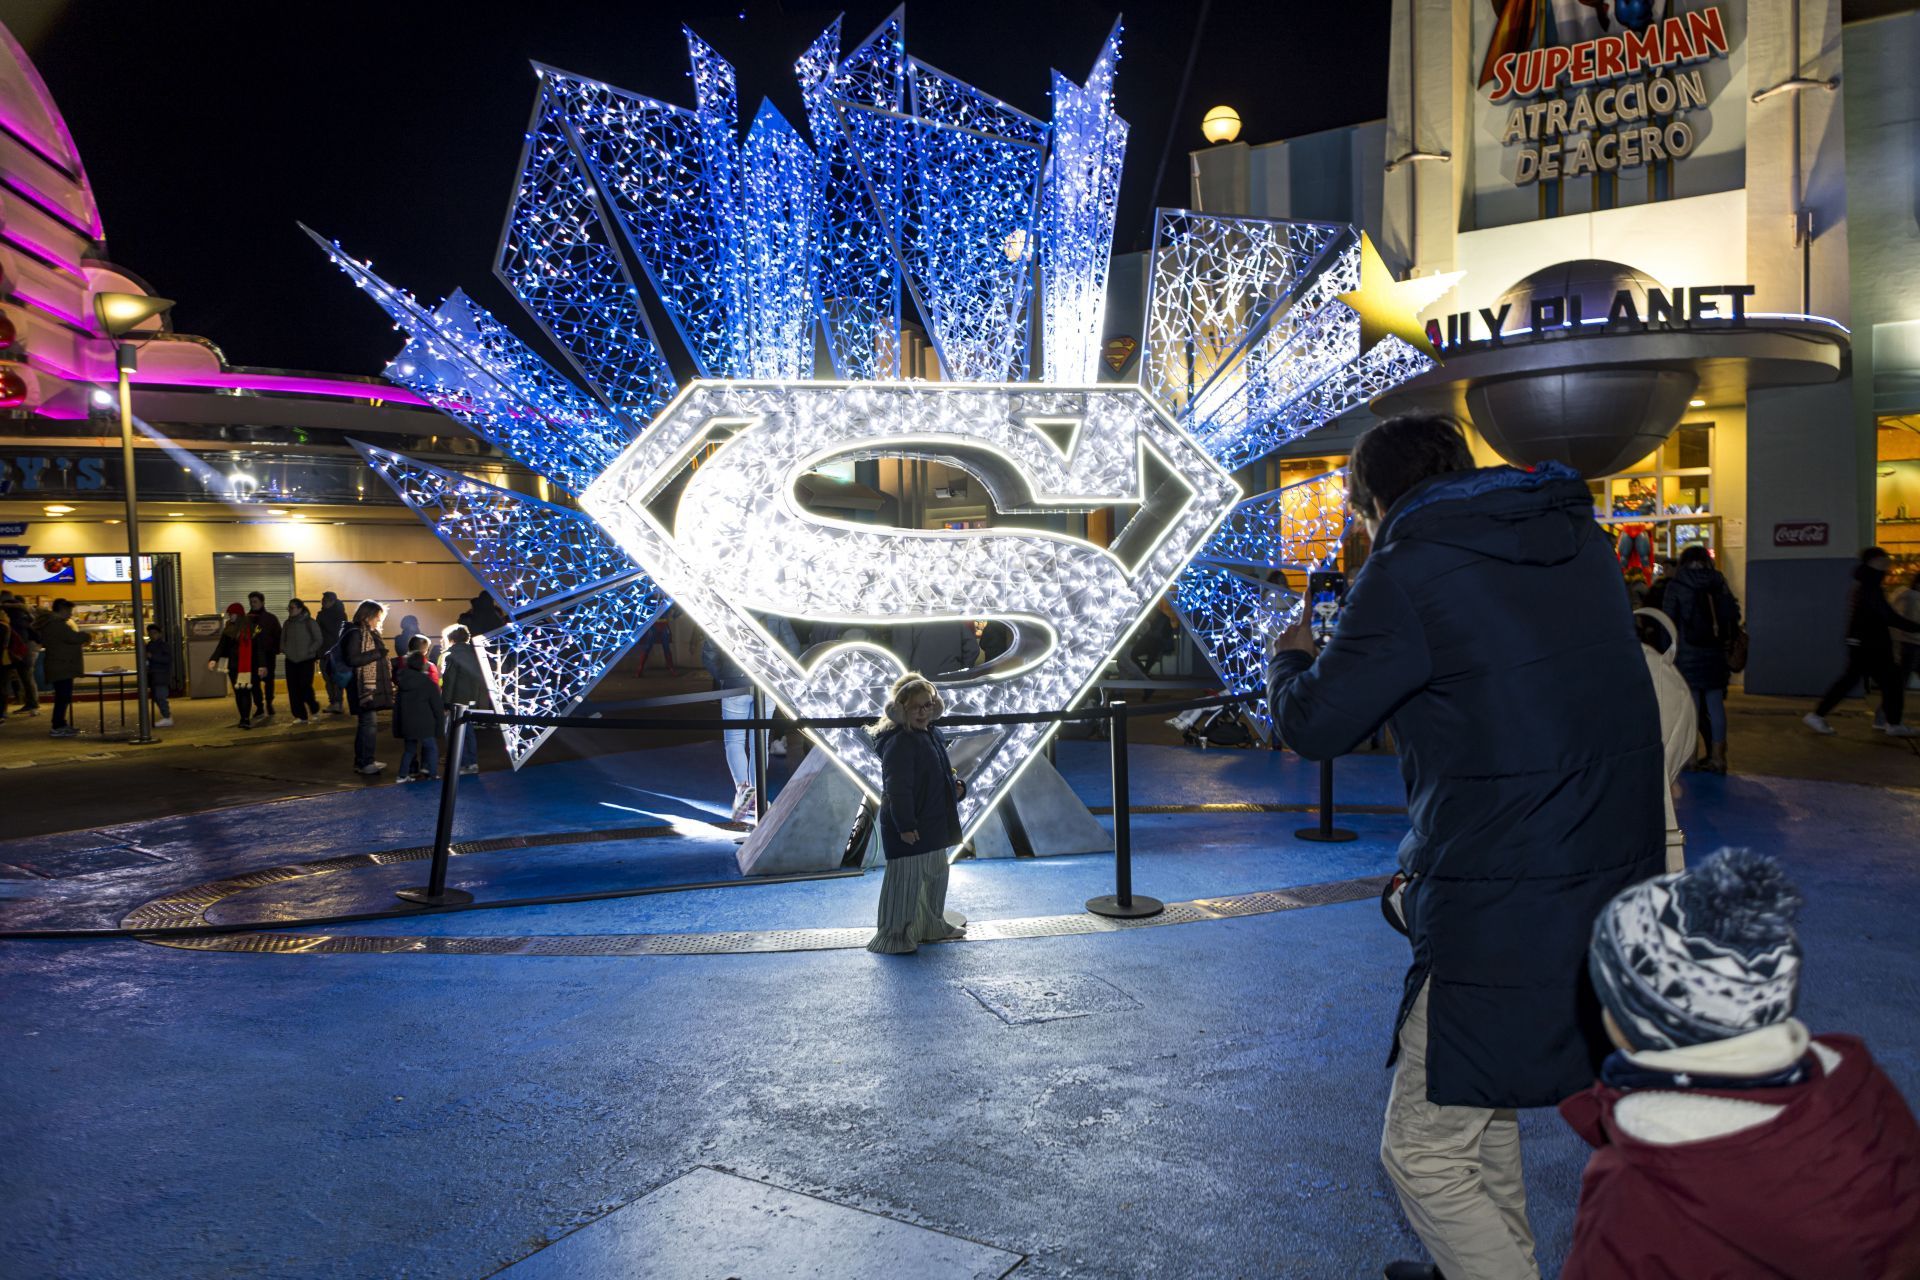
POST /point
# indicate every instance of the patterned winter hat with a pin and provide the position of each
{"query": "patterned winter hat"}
(1706, 954)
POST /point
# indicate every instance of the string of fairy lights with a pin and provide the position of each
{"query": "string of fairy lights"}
(783, 250)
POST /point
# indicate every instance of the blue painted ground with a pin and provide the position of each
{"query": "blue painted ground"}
(178, 1113)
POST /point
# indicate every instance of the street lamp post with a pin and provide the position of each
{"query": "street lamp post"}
(118, 313)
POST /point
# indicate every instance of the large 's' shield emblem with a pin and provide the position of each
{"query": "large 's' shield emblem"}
(706, 499)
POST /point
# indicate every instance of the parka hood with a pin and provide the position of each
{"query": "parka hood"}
(1538, 517)
(1701, 577)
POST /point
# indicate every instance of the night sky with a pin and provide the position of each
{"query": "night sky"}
(208, 128)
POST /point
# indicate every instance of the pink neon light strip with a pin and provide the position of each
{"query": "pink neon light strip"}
(60, 313)
(24, 136)
(46, 203)
(282, 382)
(38, 359)
(76, 170)
(41, 251)
(242, 381)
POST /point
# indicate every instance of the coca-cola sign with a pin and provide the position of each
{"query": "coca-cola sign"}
(1801, 533)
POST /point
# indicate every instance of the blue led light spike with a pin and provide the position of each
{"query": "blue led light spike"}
(857, 289)
(1234, 598)
(875, 72)
(1076, 219)
(646, 162)
(547, 664)
(530, 554)
(1230, 614)
(558, 258)
(470, 366)
(1214, 285)
(962, 219)
(717, 112)
(1297, 527)
(781, 221)
(939, 98)
(1247, 337)
(1306, 369)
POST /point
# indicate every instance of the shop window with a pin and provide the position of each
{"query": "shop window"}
(1896, 493)
(1688, 448)
(1661, 505)
(1313, 506)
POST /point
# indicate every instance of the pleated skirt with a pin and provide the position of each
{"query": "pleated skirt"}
(913, 900)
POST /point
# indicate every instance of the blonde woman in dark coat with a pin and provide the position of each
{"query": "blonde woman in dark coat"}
(919, 819)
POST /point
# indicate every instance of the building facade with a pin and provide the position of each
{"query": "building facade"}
(247, 479)
(1682, 256)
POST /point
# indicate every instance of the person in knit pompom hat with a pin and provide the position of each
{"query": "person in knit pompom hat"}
(1728, 1142)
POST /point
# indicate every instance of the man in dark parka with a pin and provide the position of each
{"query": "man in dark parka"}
(1489, 629)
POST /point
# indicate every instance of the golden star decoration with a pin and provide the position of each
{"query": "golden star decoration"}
(1392, 307)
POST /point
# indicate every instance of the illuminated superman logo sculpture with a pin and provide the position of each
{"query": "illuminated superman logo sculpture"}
(766, 253)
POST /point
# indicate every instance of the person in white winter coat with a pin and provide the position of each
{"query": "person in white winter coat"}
(1660, 642)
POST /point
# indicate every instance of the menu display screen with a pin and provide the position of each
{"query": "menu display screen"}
(114, 569)
(34, 570)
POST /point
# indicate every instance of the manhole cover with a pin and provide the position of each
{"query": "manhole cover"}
(61, 863)
(710, 1225)
(1016, 1001)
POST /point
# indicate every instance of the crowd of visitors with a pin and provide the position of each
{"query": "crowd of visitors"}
(410, 686)
(42, 651)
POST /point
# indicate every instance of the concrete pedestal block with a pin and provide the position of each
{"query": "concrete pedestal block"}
(992, 840)
(1045, 818)
(806, 828)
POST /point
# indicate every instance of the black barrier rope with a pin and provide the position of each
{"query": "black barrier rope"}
(436, 898)
(650, 724)
(1122, 904)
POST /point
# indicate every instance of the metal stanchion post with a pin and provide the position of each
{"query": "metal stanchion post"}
(436, 894)
(1123, 905)
(1326, 832)
(759, 740)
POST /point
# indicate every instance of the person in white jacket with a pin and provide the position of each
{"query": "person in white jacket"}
(1660, 642)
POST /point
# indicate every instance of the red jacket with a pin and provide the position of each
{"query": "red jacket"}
(1829, 1189)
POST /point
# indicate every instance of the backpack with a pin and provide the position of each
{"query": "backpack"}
(1226, 727)
(1703, 621)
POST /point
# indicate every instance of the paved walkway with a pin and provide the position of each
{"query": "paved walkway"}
(1192, 1101)
(206, 762)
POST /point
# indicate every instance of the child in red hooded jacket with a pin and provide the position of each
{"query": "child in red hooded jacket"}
(1731, 1145)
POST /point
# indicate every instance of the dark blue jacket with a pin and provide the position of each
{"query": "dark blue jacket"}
(159, 661)
(917, 792)
(417, 707)
(1706, 616)
(1489, 628)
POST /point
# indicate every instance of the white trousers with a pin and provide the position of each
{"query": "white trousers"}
(1457, 1170)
